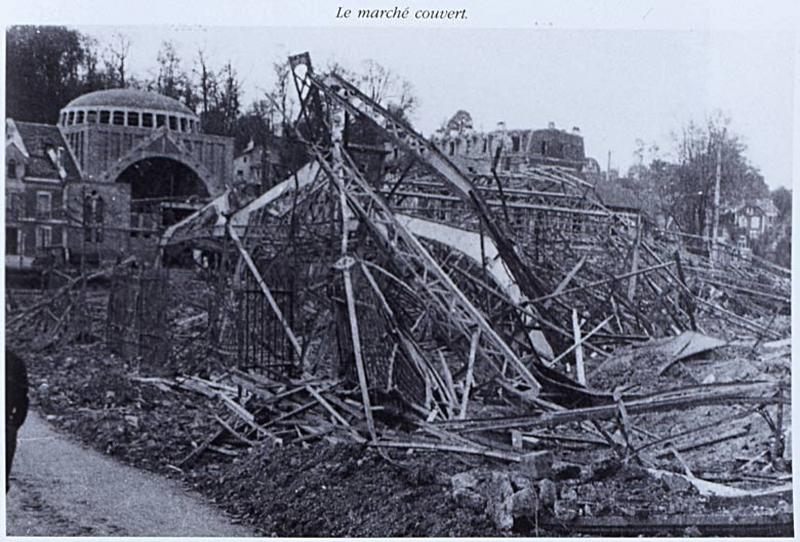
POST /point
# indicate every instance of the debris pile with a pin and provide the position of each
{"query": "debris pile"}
(381, 296)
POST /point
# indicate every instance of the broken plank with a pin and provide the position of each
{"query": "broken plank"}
(433, 446)
(469, 378)
(580, 371)
(582, 341)
(345, 264)
(633, 407)
(233, 432)
(563, 284)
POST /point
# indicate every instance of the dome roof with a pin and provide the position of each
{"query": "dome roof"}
(130, 98)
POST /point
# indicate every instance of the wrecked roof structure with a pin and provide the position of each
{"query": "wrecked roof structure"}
(506, 315)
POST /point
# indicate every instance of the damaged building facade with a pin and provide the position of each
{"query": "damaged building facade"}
(520, 148)
(119, 167)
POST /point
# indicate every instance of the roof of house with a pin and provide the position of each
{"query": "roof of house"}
(38, 138)
(765, 205)
(616, 196)
(272, 148)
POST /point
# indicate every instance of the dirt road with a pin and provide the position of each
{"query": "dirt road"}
(60, 488)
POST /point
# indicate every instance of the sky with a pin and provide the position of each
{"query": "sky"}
(617, 85)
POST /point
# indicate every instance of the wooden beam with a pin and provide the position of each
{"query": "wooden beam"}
(345, 264)
(468, 380)
(583, 339)
(601, 282)
(635, 262)
(580, 372)
(567, 279)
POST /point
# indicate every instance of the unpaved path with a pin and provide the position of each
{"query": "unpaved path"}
(60, 488)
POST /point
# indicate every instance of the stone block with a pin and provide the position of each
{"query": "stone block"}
(537, 465)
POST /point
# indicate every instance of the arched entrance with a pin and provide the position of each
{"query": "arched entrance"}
(163, 191)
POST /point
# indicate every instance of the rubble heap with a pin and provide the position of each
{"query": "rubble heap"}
(381, 295)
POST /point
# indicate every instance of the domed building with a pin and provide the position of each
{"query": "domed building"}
(122, 165)
(129, 107)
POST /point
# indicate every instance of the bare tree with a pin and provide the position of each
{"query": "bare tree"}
(207, 79)
(382, 85)
(282, 92)
(229, 96)
(168, 80)
(683, 190)
(387, 88)
(116, 58)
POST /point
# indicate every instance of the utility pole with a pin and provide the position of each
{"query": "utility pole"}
(715, 220)
(608, 167)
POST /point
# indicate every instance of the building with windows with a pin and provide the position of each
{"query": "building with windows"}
(748, 222)
(519, 149)
(257, 165)
(38, 168)
(119, 167)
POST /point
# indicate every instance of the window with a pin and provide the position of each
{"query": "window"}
(11, 169)
(44, 236)
(44, 201)
(80, 117)
(147, 120)
(452, 148)
(514, 143)
(63, 119)
(12, 241)
(133, 118)
(71, 117)
(91, 117)
(105, 117)
(173, 123)
(93, 217)
(119, 118)
(14, 206)
(160, 120)
(183, 124)
(484, 145)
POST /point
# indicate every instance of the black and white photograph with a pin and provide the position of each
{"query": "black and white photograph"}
(399, 270)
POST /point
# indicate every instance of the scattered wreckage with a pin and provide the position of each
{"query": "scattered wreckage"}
(383, 295)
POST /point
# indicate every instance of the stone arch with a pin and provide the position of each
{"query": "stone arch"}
(162, 190)
(163, 176)
(211, 183)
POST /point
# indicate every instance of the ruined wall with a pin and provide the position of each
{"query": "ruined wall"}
(475, 151)
(113, 241)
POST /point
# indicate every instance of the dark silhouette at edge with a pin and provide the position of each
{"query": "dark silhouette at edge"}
(16, 404)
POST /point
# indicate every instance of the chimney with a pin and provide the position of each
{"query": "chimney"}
(576, 130)
(551, 125)
(501, 125)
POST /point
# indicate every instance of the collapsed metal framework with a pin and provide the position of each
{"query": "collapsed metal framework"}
(447, 282)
